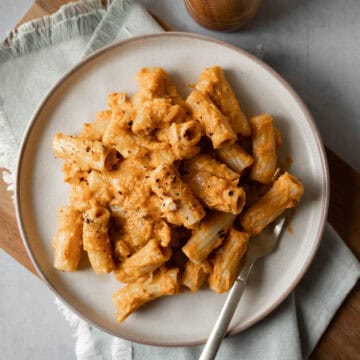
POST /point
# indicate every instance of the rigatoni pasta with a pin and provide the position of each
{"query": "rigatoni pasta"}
(146, 260)
(226, 261)
(235, 157)
(67, 241)
(208, 236)
(195, 275)
(215, 124)
(164, 192)
(212, 81)
(96, 239)
(285, 193)
(178, 204)
(87, 154)
(264, 149)
(214, 184)
(131, 297)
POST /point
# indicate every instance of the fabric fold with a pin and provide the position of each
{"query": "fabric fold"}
(124, 19)
(70, 20)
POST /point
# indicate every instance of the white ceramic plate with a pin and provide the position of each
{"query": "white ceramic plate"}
(184, 319)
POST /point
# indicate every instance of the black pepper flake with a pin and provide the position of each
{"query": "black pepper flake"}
(230, 193)
(119, 192)
(157, 180)
(211, 133)
(130, 123)
(87, 220)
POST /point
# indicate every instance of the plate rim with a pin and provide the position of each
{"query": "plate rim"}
(307, 115)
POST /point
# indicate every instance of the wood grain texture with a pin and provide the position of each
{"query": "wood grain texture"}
(10, 239)
(342, 338)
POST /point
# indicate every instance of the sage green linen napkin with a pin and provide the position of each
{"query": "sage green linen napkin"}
(31, 61)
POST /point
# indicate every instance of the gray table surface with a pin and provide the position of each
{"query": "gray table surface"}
(313, 44)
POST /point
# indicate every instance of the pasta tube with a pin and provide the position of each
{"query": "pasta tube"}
(132, 296)
(96, 239)
(67, 240)
(88, 154)
(178, 204)
(156, 113)
(175, 96)
(235, 157)
(213, 81)
(119, 103)
(195, 275)
(284, 193)
(204, 162)
(153, 82)
(85, 192)
(80, 196)
(208, 236)
(216, 193)
(146, 260)
(73, 173)
(215, 124)
(182, 138)
(96, 129)
(219, 192)
(227, 260)
(264, 149)
(123, 140)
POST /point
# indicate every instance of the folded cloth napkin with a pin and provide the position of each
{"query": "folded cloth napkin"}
(31, 60)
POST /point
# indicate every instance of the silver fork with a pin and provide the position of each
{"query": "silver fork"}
(259, 247)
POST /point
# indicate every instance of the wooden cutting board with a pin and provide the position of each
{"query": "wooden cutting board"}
(342, 338)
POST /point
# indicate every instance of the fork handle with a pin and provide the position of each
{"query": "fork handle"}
(218, 332)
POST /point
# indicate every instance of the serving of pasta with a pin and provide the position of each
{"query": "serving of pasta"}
(166, 193)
